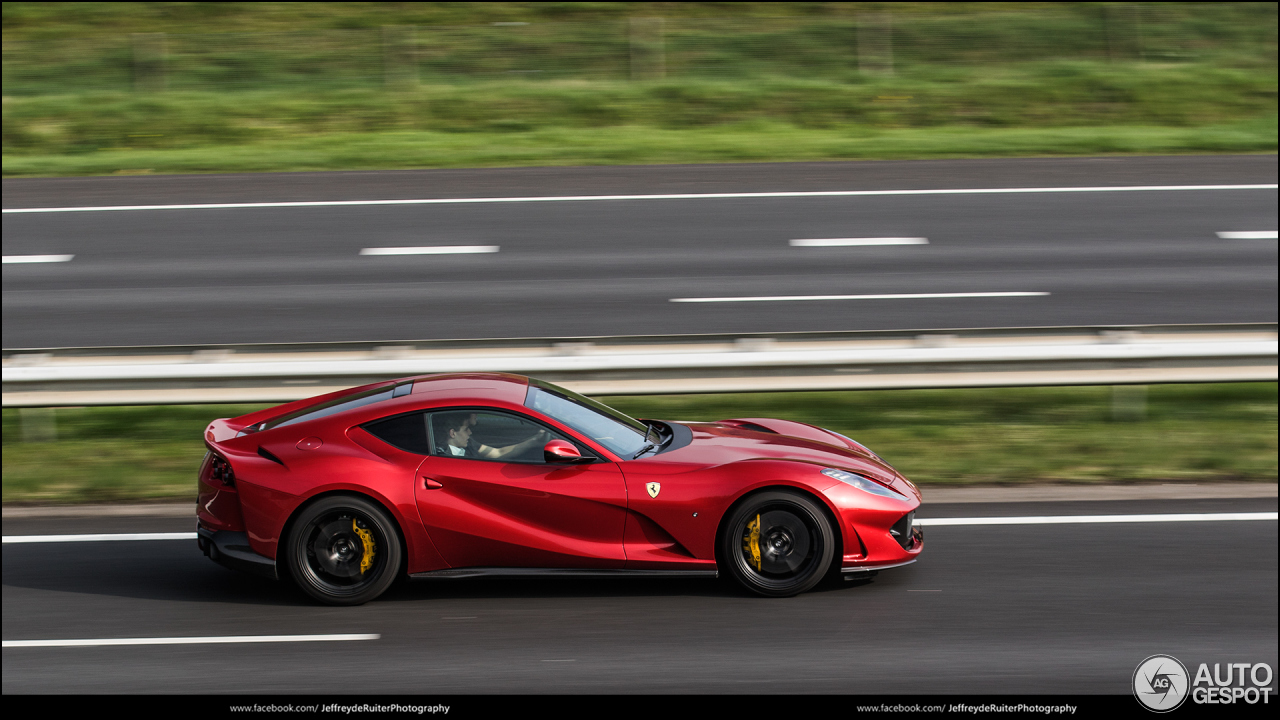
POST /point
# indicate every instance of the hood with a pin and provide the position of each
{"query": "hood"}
(727, 441)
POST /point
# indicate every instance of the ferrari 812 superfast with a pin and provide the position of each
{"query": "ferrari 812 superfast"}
(475, 474)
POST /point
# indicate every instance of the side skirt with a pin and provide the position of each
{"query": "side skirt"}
(457, 573)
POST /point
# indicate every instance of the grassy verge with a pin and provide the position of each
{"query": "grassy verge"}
(234, 87)
(1199, 433)
(628, 145)
(1049, 108)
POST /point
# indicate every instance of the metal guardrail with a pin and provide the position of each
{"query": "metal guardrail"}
(656, 364)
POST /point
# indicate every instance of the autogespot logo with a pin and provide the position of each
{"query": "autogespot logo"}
(1160, 683)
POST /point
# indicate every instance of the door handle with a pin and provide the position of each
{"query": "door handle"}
(430, 484)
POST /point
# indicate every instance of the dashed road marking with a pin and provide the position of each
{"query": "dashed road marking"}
(905, 296)
(22, 259)
(432, 250)
(858, 242)
(1249, 235)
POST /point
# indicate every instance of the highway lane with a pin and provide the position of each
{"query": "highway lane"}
(608, 267)
(1007, 609)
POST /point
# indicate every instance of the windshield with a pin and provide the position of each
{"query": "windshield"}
(622, 435)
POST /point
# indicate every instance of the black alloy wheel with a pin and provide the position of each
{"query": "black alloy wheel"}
(778, 544)
(343, 550)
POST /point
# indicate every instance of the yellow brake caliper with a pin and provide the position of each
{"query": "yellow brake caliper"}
(753, 540)
(370, 548)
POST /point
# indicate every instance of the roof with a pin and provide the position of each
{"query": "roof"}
(502, 386)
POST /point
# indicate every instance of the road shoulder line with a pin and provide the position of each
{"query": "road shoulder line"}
(933, 494)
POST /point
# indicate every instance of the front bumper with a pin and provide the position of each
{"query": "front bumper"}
(231, 550)
(912, 541)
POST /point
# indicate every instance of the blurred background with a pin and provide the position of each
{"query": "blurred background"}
(1025, 252)
(105, 89)
(198, 87)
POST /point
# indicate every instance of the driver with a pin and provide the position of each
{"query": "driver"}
(456, 434)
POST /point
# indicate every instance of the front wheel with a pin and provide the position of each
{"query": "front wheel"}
(778, 544)
(343, 551)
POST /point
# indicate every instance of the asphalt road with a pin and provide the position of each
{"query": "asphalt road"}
(612, 267)
(1027, 609)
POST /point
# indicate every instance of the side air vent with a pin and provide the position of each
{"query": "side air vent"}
(748, 426)
(263, 452)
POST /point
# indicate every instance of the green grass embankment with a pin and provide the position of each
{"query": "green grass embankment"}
(1178, 433)
(1056, 109)
(164, 88)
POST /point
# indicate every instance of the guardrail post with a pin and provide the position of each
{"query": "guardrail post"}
(1124, 33)
(39, 424)
(1128, 403)
(399, 56)
(875, 44)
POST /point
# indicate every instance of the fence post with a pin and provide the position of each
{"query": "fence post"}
(399, 56)
(148, 61)
(875, 44)
(1124, 33)
(648, 51)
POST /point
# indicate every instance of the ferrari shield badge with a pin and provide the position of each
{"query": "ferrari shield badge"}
(653, 488)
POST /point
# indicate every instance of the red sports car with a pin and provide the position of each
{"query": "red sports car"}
(489, 474)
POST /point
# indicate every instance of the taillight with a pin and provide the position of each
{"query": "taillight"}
(222, 471)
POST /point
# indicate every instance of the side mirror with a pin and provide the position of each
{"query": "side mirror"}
(560, 451)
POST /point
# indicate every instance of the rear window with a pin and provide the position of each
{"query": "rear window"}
(407, 432)
(337, 405)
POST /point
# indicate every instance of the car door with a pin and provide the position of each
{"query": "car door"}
(492, 500)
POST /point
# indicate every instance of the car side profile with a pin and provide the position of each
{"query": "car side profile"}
(473, 474)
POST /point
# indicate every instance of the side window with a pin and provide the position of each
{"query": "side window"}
(407, 432)
(490, 435)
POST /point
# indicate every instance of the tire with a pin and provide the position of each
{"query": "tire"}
(344, 550)
(795, 544)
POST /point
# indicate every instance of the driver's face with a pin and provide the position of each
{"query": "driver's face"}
(461, 436)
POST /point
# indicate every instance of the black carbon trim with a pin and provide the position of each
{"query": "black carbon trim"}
(681, 436)
(231, 550)
(874, 568)
(457, 573)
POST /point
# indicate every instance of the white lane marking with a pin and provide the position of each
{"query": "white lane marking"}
(679, 196)
(851, 242)
(226, 640)
(432, 250)
(1023, 520)
(1250, 235)
(99, 537)
(915, 296)
(1089, 519)
(15, 259)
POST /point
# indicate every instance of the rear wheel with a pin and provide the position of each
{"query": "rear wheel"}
(343, 551)
(778, 544)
